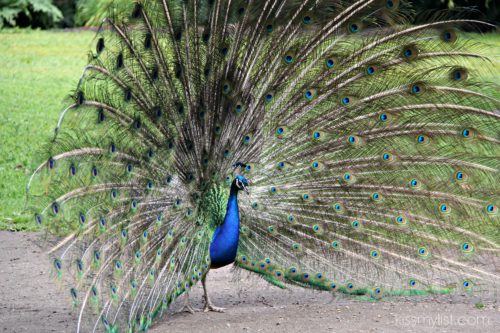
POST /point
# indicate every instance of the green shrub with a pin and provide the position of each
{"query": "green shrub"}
(29, 13)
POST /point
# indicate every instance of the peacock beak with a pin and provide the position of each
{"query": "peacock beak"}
(245, 189)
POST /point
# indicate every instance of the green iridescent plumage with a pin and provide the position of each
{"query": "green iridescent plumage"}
(371, 147)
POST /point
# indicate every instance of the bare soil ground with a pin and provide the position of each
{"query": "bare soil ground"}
(30, 301)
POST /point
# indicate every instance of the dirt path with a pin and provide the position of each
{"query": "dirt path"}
(31, 302)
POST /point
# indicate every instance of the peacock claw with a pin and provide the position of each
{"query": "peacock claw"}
(210, 307)
(188, 308)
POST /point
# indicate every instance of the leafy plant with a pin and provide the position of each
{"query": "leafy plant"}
(34, 13)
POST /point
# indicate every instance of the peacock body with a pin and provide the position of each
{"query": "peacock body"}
(370, 149)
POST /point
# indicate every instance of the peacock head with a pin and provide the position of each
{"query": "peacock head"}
(240, 183)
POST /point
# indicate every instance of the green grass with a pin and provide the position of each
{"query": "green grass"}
(38, 69)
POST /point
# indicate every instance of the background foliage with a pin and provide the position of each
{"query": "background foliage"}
(69, 13)
(24, 13)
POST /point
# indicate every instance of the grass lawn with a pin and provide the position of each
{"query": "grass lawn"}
(38, 69)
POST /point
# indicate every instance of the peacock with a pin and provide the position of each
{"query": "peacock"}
(325, 144)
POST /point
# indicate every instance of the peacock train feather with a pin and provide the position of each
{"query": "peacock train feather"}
(370, 149)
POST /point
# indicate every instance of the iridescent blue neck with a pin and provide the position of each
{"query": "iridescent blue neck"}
(226, 236)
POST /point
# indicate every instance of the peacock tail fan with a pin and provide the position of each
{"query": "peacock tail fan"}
(372, 147)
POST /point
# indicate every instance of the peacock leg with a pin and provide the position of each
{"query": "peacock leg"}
(187, 307)
(208, 303)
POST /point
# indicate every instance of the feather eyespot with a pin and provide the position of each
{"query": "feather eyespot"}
(377, 197)
(377, 293)
(423, 252)
(119, 61)
(100, 116)
(309, 95)
(354, 27)
(317, 229)
(136, 13)
(401, 220)
(387, 157)
(348, 178)
(307, 20)
(316, 166)
(147, 41)
(449, 36)
(444, 209)
(374, 254)
(459, 74)
(416, 89)
(467, 133)
(467, 284)
(467, 247)
(389, 4)
(288, 59)
(336, 245)
(281, 132)
(57, 264)
(460, 176)
(100, 45)
(247, 139)
(329, 63)
(422, 139)
(370, 70)
(226, 88)
(491, 209)
(238, 108)
(414, 183)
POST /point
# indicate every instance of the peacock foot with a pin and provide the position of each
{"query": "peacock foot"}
(211, 307)
(187, 307)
